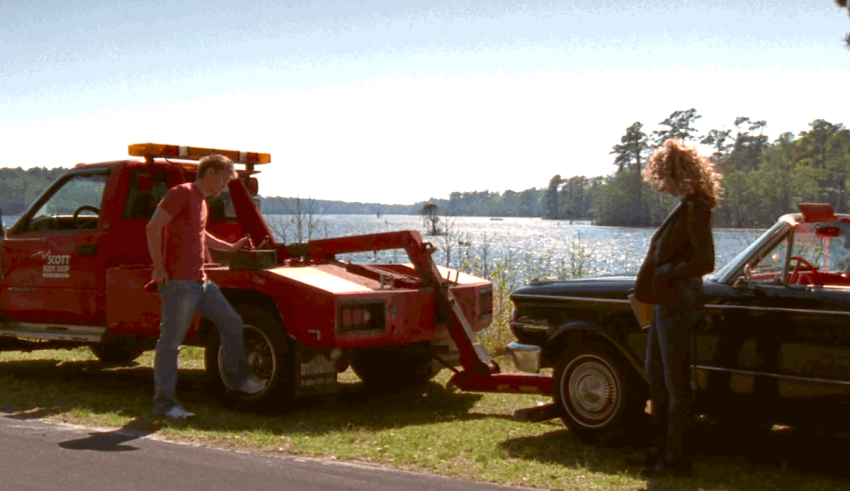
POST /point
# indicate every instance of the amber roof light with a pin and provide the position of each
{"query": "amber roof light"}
(157, 150)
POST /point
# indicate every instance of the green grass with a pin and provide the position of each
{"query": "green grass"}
(429, 429)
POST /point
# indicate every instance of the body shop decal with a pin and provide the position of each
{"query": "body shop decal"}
(57, 265)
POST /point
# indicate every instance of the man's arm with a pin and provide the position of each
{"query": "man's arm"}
(153, 231)
(214, 242)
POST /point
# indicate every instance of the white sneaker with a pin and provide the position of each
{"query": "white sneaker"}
(177, 413)
(251, 385)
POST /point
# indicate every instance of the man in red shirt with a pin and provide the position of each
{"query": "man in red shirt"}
(177, 242)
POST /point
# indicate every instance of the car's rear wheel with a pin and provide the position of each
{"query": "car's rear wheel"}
(599, 397)
(393, 369)
(268, 356)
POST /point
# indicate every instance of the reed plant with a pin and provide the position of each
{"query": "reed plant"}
(513, 270)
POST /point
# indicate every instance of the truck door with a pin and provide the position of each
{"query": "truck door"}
(50, 268)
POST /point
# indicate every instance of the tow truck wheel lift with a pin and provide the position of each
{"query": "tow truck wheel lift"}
(478, 373)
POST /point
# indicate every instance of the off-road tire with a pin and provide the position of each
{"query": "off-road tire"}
(600, 398)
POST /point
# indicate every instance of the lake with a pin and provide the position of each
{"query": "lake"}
(528, 246)
(606, 250)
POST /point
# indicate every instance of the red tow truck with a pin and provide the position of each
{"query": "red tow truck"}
(73, 269)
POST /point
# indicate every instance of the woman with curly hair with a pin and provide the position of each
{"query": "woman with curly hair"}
(680, 253)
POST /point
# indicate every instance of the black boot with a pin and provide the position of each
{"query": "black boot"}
(650, 458)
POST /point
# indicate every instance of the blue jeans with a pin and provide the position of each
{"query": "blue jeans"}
(180, 301)
(668, 357)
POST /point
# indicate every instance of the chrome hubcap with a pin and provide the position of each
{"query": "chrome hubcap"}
(592, 392)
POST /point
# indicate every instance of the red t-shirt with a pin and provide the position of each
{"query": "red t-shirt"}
(184, 241)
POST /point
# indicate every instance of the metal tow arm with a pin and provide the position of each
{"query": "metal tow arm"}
(480, 373)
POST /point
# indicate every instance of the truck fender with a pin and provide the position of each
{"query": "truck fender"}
(577, 332)
(240, 296)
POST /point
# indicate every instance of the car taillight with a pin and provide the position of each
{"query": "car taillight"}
(359, 317)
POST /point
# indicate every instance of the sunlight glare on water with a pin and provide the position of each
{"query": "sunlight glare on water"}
(608, 250)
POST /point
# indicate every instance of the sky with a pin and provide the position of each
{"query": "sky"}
(400, 101)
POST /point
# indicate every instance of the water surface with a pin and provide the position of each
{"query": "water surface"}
(526, 244)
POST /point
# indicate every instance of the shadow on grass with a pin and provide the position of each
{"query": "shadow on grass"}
(720, 456)
(41, 388)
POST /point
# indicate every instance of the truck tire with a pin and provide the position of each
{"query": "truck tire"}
(599, 397)
(389, 369)
(268, 355)
(116, 351)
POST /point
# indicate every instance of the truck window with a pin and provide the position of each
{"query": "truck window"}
(221, 208)
(147, 188)
(74, 205)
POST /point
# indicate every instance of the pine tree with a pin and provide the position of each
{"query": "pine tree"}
(629, 157)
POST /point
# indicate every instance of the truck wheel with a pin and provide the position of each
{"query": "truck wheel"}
(267, 353)
(394, 369)
(599, 397)
(116, 351)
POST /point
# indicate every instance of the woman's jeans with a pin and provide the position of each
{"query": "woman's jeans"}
(180, 301)
(668, 358)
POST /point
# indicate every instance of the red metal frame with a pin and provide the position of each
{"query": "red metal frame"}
(480, 373)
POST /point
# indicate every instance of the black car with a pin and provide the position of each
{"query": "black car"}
(772, 346)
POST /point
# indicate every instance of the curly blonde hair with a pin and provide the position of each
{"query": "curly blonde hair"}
(678, 169)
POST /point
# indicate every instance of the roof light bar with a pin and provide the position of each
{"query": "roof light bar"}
(155, 150)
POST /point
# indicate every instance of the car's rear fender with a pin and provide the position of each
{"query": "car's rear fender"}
(572, 334)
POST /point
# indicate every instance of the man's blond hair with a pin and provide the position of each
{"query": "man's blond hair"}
(216, 163)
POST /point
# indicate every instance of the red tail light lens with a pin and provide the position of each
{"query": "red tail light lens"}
(361, 317)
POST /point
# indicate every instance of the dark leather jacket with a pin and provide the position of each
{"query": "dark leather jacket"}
(680, 250)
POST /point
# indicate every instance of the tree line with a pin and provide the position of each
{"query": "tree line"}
(762, 180)
(19, 187)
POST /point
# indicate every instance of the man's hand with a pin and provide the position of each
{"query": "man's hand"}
(159, 275)
(240, 244)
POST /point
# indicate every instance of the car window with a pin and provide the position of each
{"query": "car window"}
(753, 254)
(146, 190)
(807, 245)
(75, 205)
(826, 252)
(768, 268)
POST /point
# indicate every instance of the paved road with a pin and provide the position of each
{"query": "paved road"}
(43, 456)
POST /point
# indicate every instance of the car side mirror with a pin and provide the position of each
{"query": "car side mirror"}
(746, 278)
